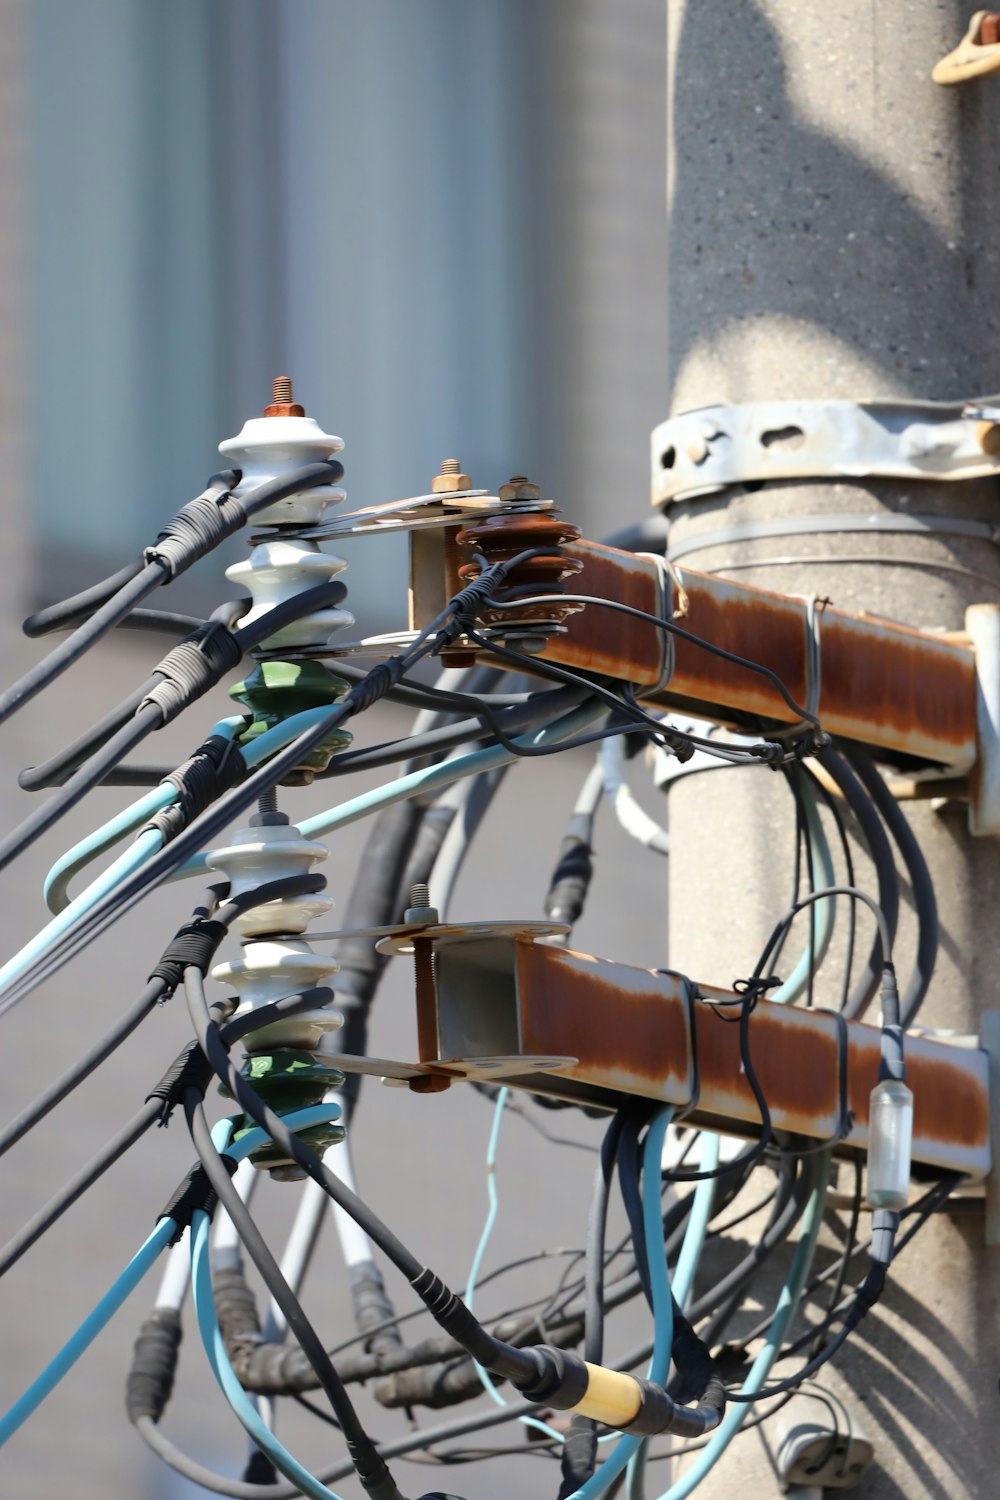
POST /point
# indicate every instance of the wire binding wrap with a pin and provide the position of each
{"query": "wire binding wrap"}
(214, 767)
(191, 668)
(190, 1069)
(197, 528)
(195, 944)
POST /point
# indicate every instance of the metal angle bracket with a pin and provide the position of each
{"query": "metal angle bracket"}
(496, 1002)
(703, 451)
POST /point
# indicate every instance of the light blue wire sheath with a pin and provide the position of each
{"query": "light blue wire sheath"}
(663, 1306)
(56, 888)
(477, 1261)
(822, 875)
(788, 1298)
(57, 881)
(204, 1301)
(684, 1273)
(88, 1330)
(146, 844)
(431, 777)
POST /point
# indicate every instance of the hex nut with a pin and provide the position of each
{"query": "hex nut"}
(520, 488)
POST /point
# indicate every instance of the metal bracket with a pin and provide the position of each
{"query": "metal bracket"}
(703, 451)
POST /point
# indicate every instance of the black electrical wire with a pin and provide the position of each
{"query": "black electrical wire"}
(148, 717)
(920, 881)
(77, 1185)
(372, 1470)
(442, 1304)
(55, 770)
(372, 687)
(823, 791)
(82, 780)
(669, 628)
(541, 709)
(114, 609)
(579, 1452)
(156, 991)
(86, 1064)
(862, 807)
(398, 1448)
(850, 1238)
(78, 607)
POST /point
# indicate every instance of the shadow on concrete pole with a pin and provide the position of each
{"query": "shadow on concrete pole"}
(834, 231)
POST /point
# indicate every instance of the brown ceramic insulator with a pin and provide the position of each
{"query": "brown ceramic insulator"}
(502, 537)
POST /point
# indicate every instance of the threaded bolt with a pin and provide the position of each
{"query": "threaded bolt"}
(420, 912)
(282, 404)
(451, 466)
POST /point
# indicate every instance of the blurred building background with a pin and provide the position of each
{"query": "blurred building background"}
(446, 221)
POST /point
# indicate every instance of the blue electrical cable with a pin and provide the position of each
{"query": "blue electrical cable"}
(663, 1304)
(428, 779)
(149, 841)
(56, 887)
(684, 1273)
(477, 1261)
(208, 1324)
(85, 1335)
(760, 1369)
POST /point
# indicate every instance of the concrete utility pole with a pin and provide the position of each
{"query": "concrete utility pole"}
(834, 232)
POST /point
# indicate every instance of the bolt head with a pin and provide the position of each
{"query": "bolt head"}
(520, 489)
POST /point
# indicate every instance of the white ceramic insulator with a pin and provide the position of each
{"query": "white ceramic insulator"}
(271, 852)
(283, 569)
(271, 969)
(269, 447)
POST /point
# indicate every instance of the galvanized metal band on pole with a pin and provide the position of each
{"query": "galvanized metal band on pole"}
(704, 451)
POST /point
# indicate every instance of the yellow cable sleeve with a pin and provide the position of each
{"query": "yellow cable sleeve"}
(610, 1397)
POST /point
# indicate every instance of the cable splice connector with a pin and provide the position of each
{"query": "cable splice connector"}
(154, 1362)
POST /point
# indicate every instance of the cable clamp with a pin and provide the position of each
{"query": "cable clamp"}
(193, 1192)
(195, 945)
(190, 1069)
(214, 767)
(701, 452)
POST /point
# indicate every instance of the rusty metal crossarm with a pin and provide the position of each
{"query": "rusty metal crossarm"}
(905, 691)
(498, 1003)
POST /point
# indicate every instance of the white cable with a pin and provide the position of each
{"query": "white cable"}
(636, 822)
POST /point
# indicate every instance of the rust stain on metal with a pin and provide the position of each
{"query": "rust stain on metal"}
(917, 690)
(628, 1028)
(616, 1021)
(880, 682)
(946, 1107)
(605, 640)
